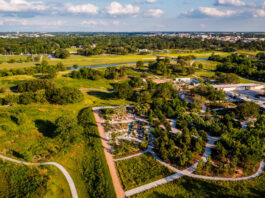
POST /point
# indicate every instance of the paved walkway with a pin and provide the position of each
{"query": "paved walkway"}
(60, 167)
(211, 141)
(107, 150)
(189, 171)
(132, 156)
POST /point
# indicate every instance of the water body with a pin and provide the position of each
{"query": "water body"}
(118, 64)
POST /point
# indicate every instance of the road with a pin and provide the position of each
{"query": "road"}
(60, 167)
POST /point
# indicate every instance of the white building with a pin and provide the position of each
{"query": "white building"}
(188, 81)
(232, 87)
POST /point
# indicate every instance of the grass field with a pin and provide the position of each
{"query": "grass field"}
(15, 57)
(140, 170)
(209, 65)
(32, 140)
(103, 59)
(189, 187)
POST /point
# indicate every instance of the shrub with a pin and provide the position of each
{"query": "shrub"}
(34, 85)
(64, 95)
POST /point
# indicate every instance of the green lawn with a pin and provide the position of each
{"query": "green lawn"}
(189, 187)
(104, 59)
(209, 65)
(15, 57)
(140, 170)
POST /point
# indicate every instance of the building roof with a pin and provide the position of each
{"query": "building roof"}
(236, 85)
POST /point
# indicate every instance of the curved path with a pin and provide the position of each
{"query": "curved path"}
(189, 171)
(132, 156)
(60, 167)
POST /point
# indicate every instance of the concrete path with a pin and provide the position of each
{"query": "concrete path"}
(60, 167)
(189, 171)
(107, 150)
(132, 156)
(152, 185)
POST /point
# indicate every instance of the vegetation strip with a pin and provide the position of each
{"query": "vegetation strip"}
(60, 167)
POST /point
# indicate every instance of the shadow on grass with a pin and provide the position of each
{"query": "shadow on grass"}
(102, 95)
(205, 187)
(46, 127)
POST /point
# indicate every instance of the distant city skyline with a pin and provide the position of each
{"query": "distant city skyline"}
(132, 15)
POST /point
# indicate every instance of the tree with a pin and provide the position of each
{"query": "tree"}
(139, 64)
(64, 95)
(123, 90)
(248, 109)
(62, 53)
(67, 129)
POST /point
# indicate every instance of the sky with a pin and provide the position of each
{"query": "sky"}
(132, 15)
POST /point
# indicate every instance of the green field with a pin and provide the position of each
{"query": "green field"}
(102, 59)
(140, 170)
(15, 57)
(30, 140)
(189, 187)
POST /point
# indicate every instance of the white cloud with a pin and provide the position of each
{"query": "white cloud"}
(151, 1)
(21, 5)
(116, 22)
(94, 23)
(82, 9)
(236, 3)
(202, 25)
(209, 12)
(259, 13)
(115, 8)
(31, 22)
(157, 13)
(28, 8)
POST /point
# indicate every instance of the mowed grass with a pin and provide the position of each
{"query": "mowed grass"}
(198, 55)
(251, 53)
(9, 57)
(140, 170)
(189, 187)
(11, 81)
(105, 59)
(208, 65)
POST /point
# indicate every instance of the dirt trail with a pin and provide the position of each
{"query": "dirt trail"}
(107, 150)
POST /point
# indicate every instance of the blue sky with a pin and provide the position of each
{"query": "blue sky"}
(132, 15)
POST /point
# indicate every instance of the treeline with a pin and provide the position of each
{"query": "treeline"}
(165, 67)
(117, 44)
(48, 71)
(111, 73)
(43, 91)
(253, 68)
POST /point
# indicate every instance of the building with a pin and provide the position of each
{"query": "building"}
(232, 87)
(188, 81)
